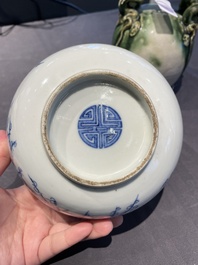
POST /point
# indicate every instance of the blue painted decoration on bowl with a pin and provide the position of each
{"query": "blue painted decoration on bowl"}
(100, 126)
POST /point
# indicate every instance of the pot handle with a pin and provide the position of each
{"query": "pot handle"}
(125, 5)
(190, 15)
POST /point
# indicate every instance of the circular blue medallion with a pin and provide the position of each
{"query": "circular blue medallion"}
(100, 126)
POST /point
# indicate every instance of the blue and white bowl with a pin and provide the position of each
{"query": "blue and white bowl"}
(95, 131)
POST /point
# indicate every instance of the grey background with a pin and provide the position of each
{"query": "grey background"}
(165, 230)
(20, 11)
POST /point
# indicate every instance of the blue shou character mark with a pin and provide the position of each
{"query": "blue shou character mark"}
(100, 126)
(36, 189)
(12, 144)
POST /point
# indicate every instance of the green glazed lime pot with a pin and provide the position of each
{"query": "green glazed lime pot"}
(164, 40)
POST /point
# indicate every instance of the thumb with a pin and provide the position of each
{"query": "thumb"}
(4, 152)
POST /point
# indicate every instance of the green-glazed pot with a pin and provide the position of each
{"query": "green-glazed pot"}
(162, 39)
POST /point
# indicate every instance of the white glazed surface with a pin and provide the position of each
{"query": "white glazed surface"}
(28, 152)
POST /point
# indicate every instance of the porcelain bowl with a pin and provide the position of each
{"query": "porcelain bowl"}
(94, 131)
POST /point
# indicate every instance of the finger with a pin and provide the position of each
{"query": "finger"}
(57, 242)
(104, 227)
(117, 221)
(101, 228)
(4, 152)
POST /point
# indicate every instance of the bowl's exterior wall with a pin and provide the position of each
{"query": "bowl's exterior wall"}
(29, 155)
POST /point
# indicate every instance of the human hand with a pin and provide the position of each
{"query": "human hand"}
(31, 232)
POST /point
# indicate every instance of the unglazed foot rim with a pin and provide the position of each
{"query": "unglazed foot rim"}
(72, 85)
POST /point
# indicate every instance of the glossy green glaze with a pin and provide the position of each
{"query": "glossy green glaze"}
(162, 39)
